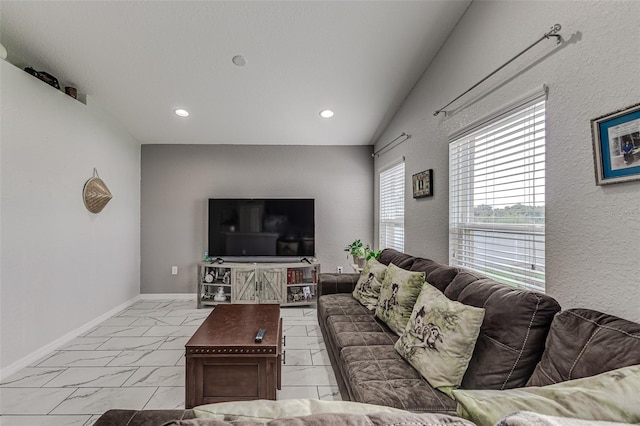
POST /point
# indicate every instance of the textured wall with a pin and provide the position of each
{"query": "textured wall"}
(593, 233)
(177, 181)
(61, 265)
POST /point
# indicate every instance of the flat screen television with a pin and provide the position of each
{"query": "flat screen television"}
(261, 228)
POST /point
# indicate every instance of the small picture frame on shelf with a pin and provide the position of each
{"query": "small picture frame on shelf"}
(306, 291)
(422, 184)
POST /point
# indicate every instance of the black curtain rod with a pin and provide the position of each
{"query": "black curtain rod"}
(552, 33)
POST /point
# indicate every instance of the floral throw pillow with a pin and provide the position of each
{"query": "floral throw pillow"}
(368, 287)
(440, 337)
(398, 294)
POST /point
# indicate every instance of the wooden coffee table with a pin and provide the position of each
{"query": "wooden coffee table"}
(223, 363)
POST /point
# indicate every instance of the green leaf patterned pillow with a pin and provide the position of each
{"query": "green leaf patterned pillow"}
(440, 337)
(367, 289)
(398, 294)
(610, 397)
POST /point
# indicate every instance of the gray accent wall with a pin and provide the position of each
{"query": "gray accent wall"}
(593, 232)
(178, 180)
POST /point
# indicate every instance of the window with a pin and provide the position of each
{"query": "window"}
(497, 197)
(392, 207)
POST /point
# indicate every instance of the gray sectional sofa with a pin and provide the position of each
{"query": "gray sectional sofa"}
(508, 351)
(369, 369)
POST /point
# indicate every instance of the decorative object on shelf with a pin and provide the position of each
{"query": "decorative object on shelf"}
(422, 184)
(226, 278)
(95, 194)
(211, 275)
(71, 91)
(44, 76)
(295, 295)
(616, 146)
(220, 296)
(306, 291)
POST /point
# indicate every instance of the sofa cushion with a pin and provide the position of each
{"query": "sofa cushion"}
(340, 304)
(265, 410)
(398, 294)
(583, 343)
(527, 418)
(357, 330)
(401, 260)
(367, 289)
(439, 338)
(141, 418)
(437, 274)
(511, 340)
(340, 419)
(336, 283)
(611, 396)
(378, 375)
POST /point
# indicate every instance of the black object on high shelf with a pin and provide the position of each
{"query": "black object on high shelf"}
(44, 76)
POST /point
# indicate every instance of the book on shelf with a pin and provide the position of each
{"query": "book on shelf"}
(295, 276)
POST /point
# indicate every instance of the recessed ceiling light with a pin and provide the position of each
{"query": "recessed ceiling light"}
(239, 60)
(181, 112)
(326, 113)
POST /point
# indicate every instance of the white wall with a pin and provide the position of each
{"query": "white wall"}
(593, 233)
(61, 265)
(177, 181)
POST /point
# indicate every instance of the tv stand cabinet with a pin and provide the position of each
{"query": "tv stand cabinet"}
(286, 284)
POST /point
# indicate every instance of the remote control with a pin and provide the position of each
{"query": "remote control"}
(260, 335)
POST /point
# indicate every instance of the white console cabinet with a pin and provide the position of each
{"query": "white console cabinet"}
(287, 284)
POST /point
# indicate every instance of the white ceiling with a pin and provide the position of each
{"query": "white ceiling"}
(139, 60)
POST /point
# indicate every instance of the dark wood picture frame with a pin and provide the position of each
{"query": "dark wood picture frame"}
(423, 184)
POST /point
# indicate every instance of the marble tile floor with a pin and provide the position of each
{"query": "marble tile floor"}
(135, 360)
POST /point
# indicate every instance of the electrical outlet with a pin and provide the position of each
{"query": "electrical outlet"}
(339, 268)
(174, 270)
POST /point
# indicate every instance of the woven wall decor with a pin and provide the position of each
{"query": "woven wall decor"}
(95, 194)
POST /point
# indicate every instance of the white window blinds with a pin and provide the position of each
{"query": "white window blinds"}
(497, 197)
(392, 207)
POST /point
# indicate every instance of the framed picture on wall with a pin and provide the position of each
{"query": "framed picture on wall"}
(423, 184)
(616, 146)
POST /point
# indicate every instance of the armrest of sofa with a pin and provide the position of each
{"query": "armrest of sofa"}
(336, 283)
(142, 417)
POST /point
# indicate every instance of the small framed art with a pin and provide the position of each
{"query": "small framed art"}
(423, 184)
(616, 146)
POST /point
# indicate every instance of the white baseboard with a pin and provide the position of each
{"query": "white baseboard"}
(44, 350)
(164, 296)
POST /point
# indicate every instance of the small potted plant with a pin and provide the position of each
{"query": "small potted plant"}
(358, 251)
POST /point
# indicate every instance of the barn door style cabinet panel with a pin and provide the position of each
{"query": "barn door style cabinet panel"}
(256, 285)
(287, 284)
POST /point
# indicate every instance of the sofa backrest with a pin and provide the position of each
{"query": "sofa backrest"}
(515, 325)
(401, 260)
(513, 333)
(437, 274)
(583, 343)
